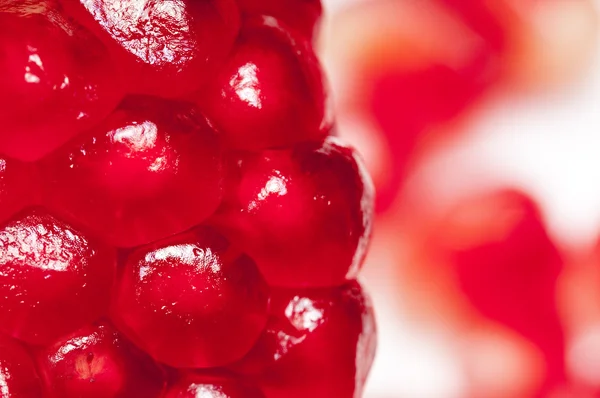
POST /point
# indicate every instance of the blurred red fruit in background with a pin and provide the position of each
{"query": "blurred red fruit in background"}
(413, 70)
(401, 72)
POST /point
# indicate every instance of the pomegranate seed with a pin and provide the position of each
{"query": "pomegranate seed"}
(119, 119)
(17, 372)
(300, 15)
(53, 279)
(165, 48)
(97, 362)
(151, 170)
(56, 79)
(17, 187)
(270, 92)
(318, 343)
(304, 214)
(198, 385)
(508, 267)
(192, 301)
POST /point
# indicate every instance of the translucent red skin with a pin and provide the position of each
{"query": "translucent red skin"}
(17, 371)
(52, 279)
(270, 93)
(57, 80)
(199, 385)
(304, 215)
(512, 278)
(97, 362)
(141, 175)
(151, 170)
(302, 16)
(318, 343)
(170, 48)
(18, 187)
(186, 299)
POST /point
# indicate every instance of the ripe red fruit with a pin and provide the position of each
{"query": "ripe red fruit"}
(56, 79)
(18, 187)
(270, 92)
(318, 343)
(53, 279)
(97, 362)
(18, 378)
(152, 169)
(304, 214)
(192, 301)
(507, 266)
(301, 15)
(198, 385)
(165, 48)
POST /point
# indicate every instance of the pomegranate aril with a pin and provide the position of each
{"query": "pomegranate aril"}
(304, 215)
(151, 170)
(165, 48)
(301, 15)
(57, 79)
(198, 385)
(507, 266)
(98, 362)
(17, 371)
(270, 92)
(53, 279)
(192, 301)
(18, 187)
(318, 343)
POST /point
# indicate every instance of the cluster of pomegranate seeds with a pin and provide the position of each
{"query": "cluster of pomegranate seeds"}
(175, 220)
(508, 267)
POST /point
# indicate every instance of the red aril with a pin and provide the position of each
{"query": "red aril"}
(199, 385)
(192, 301)
(270, 92)
(165, 48)
(152, 169)
(53, 279)
(303, 214)
(301, 15)
(17, 372)
(319, 343)
(97, 362)
(57, 79)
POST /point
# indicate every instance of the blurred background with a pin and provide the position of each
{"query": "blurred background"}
(478, 120)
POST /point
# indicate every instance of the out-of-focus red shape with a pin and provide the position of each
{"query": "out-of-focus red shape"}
(540, 43)
(401, 71)
(507, 266)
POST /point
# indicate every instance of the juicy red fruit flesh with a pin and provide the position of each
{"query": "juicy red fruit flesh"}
(199, 385)
(192, 301)
(150, 170)
(52, 278)
(140, 238)
(270, 92)
(304, 215)
(302, 16)
(17, 372)
(318, 343)
(57, 80)
(17, 187)
(165, 48)
(97, 362)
